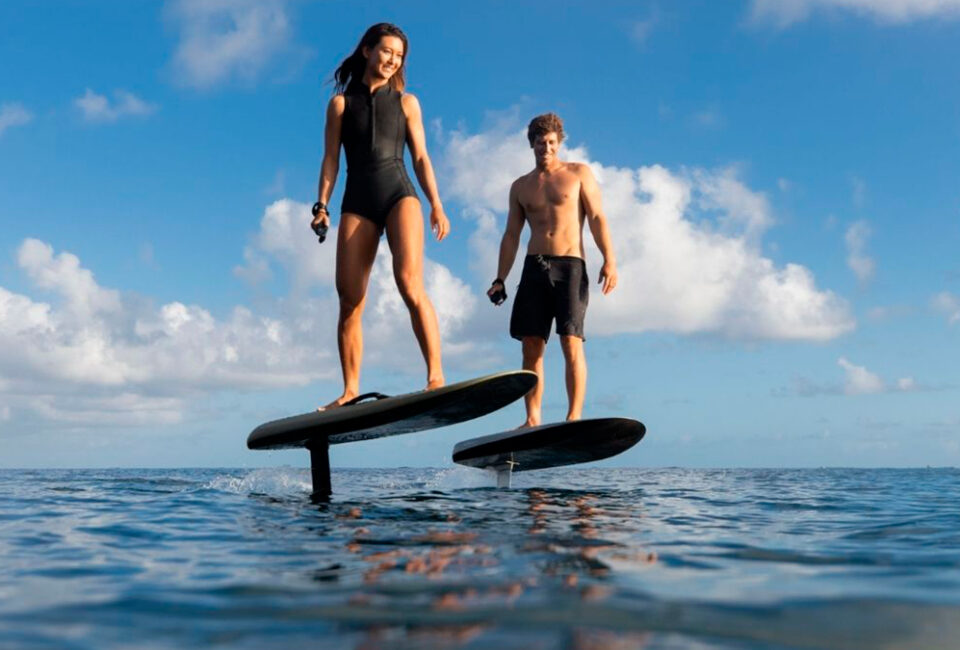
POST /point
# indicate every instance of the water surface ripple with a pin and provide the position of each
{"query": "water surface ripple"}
(421, 558)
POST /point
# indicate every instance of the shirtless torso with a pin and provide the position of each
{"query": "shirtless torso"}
(551, 202)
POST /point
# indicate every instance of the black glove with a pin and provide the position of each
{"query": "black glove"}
(500, 295)
(321, 230)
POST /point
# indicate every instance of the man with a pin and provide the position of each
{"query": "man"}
(554, 200)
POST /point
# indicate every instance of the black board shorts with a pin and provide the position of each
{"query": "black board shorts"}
(552, 287)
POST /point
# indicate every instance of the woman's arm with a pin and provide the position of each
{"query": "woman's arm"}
(417, 142)
(331, 156)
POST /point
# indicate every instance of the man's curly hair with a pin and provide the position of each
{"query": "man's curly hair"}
(543, 124)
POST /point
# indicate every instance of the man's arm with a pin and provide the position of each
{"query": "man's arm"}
(511, 239)
(593, 210)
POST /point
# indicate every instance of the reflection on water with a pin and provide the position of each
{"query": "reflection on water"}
(591, 559)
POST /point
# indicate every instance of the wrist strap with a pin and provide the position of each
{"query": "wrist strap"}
(498, 281)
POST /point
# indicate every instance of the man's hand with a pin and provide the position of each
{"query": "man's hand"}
(497, 292)
(608, 277)
(439, 223)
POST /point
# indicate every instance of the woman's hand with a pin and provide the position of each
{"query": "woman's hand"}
(439, 223)
(322, 217)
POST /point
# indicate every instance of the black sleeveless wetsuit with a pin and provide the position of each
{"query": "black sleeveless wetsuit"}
(373, 133)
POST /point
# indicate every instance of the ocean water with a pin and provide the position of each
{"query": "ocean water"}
(573, 558)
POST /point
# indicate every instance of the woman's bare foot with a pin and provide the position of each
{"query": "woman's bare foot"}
(340, 401)
(435, 383)
(528, 424)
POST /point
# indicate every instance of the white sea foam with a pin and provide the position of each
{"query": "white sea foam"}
(272, 480)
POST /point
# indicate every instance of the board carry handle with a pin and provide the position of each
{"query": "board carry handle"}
(365, 396)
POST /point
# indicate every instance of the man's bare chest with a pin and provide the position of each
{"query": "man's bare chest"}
(548, 194)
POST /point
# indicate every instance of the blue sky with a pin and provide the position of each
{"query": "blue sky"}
(780, 180)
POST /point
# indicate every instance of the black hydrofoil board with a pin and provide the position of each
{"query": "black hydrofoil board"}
(392, 416)
(550, 445)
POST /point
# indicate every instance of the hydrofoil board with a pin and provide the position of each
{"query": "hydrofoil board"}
(549, 445)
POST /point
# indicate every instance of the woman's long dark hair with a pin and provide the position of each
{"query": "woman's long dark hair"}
(354, 65)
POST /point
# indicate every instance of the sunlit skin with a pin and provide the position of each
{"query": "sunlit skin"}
(358, 239)
(555, 199)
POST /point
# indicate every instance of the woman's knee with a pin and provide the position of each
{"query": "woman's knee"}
(351, 300)
(411, 288)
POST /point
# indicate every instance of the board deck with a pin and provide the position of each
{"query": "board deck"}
(396, 415)
(550, 445)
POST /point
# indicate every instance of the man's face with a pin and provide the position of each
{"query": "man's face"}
(545, 147)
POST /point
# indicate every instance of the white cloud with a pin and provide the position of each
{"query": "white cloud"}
(63, 274)
(98, 108)
(13, 114)
(92, 352)
(948, 304)
(906, 384)
(859, 380)
(225, 39)
(680, 270)
(783, 13)
(859, 262)
(285, 238)
(741, 210)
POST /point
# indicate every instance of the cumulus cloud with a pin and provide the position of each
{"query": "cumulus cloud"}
(859, 262)
(783, 13)
(63, 274)
(91, 352)
(13, 114)
(98, 108)
(949, 304)
(221, 40)
(687, 244)
(284, 240)
(859, 380)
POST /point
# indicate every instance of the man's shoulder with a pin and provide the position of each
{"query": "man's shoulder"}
(519, 181)
(577, 168)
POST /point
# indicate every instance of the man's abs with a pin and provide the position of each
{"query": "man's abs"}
(556, 239)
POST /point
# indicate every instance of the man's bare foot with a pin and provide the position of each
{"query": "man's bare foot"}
(435, 383)
(528, 424)
(340, 401)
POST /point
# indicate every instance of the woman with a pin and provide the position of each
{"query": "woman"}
(373, 118)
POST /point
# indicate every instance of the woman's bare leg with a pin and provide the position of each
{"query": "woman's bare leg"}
(357, 241)
(405, 237)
